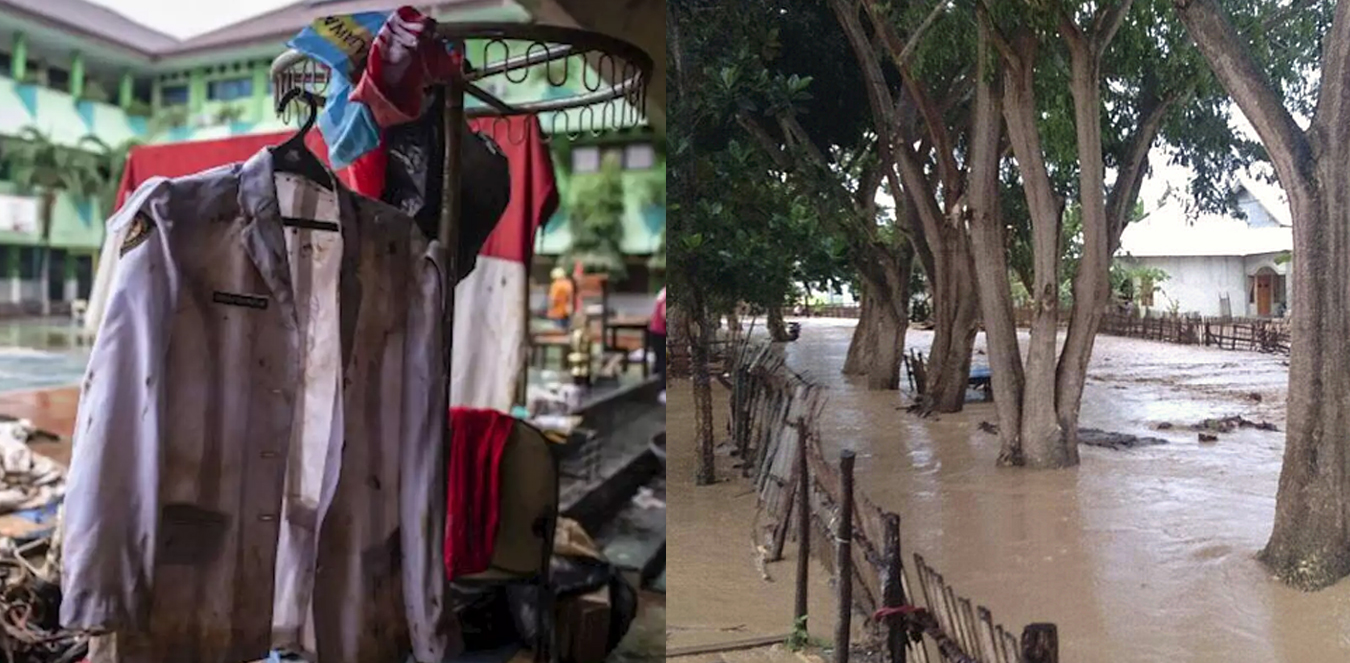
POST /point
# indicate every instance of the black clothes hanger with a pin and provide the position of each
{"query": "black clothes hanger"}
(293, 156)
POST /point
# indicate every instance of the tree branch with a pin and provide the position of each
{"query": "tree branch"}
(1107, 24)
(949, 172)
(1133, 167)
(1248, 85)
(1332, 117)
(919, 32)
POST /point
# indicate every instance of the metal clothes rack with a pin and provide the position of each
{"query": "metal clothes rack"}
(614, 75)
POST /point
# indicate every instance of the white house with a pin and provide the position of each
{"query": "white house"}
(1218, 265)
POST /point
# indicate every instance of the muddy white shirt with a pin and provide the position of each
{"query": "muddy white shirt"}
(315, 456)
(181, 501)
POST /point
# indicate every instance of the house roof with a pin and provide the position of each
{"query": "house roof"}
(96, 21)
(281, 23)
(91, 20)
(1171, 230)
(1211, 239)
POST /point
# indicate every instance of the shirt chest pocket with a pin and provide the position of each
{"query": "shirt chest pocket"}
(190, 535)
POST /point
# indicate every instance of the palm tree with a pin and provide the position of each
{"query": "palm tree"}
(37, 165)
(111, 160)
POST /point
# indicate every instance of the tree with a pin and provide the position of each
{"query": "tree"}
(39, 165)
(740, 230)
(111, 161)
(793, 91)
(595, 212)
(1251, 55)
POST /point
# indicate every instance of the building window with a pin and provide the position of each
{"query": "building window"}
(174, 95)
(229, 89)
(585, 159)
(639, 156)
(58, 79)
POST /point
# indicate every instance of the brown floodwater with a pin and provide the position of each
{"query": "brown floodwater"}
(1138, 555)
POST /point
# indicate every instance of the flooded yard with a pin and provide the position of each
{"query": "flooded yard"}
(1138, 555)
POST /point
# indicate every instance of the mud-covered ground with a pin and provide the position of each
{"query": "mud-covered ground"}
(1143, 554)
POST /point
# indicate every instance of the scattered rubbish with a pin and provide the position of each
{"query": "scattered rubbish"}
(646, 499)
(1209, 437)
(1098, 438)
(1230, 424)
(1115, 441)
(31, 488)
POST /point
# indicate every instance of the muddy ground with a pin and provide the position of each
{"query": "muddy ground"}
(1140, 554)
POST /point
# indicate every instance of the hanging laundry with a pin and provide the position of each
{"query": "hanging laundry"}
(400, 55)
(478, 439)
(197, 392)
(343, 43)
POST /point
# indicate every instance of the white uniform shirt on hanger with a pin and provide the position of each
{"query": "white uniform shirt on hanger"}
(316, 444)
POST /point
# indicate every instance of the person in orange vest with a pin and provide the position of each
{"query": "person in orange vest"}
(560, 294)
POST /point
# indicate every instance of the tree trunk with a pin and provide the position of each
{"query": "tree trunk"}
(700, 340)
(778, 331)
(864, 343)
(991, 259)
(44, 282)
(878, 343)
(955, 316)
(1092, 284)
(1309, 546)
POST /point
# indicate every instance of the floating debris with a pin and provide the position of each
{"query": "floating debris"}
(1209, 437)
(1098, 438)
(1115, 441)
(1230, 424)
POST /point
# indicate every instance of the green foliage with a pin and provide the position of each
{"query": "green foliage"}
(229, 113)
(39, 165)
(1131, 283)
(745, 230)
(36, 163)
(111, 160)
(595, 211)
(139, 108)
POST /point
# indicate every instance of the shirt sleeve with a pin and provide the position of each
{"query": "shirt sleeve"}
(422, 498)
(111, 504)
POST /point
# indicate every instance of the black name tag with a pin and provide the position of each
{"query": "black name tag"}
(232, 299)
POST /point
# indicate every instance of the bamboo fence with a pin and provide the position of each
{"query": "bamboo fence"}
(775, 432)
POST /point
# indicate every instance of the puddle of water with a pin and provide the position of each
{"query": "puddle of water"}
(1140, 555)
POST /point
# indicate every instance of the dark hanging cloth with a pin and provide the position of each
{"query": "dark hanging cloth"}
(414, 177)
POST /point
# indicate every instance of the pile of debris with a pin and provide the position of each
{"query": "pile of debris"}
(1209, 429)
(31, 488)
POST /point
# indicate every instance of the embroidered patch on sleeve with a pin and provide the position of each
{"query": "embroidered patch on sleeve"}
(137, 232)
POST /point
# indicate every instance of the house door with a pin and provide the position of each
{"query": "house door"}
(1263, 285)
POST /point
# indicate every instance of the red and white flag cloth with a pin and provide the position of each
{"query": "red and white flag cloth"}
(492, 317)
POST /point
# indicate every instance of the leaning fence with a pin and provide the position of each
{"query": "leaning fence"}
(804, 496)
(1256, 334)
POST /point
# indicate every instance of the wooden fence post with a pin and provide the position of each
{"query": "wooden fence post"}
(1040, 644)
(892, 588)
(803, 529)
(844, 557)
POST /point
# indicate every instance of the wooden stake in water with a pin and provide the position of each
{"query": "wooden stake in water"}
(844, 540)
(892, 591)
(803, 527)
